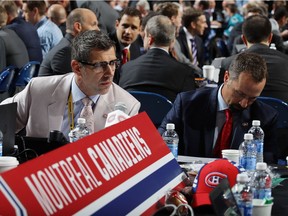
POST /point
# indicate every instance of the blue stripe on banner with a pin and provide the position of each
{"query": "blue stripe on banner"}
(136, 195)
(8, 193)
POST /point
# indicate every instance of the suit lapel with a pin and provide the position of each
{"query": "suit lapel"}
(240, 127)
(58, 103)
(104, 105)
(210, 129)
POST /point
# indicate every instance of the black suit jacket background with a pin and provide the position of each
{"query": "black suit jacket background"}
(156, 71)
(277, 64)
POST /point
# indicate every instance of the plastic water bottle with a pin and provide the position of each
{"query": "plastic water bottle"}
(258, 136)
(246, 200)
(248, 152)
(262, 182)
(1, 143)
(171, 138)
(79, 131)
(273, 46)
(242, 179)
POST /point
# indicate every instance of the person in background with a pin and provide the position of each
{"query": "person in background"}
(121, 5)
(125, 35)
(174, 12)
(277, 62)
(57, 60)
(13, 50)
(48, 32)
(194, 24)
(200, 116)
(144, 7)
(105, 14)
(155, 71)
(234, 18)
(69, 5)
(25, 30)
(55, 102)
(57, 14)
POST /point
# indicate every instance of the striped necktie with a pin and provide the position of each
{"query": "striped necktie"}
(87, 113)
(194, 52)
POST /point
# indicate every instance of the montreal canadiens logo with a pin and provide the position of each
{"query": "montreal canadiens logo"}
(214, 178)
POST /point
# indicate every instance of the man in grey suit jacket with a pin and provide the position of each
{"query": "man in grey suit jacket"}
(55, 102)
(57, 60)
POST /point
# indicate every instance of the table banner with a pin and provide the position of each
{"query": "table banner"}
(125, 169)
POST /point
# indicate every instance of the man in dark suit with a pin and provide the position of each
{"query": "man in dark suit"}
(58, 59)
(156, 71)
(25, 30)
(105, 14)
(14, 51)
(125, 35)
(277, 62)
(199, 115)
(194, 24)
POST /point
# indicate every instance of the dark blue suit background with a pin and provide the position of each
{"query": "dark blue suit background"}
(194, 115)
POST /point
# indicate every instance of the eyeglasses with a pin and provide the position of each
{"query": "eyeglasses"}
(102, 66)
(173, 210)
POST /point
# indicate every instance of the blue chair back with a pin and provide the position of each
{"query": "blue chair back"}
(27, 72)
(155, 105)
(281, 107)
(6, 78)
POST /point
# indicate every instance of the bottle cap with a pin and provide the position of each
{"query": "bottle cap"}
(256, 123)
(170, 126)
(242, 177)
(248, 136)
(81, 120)
(261, 166)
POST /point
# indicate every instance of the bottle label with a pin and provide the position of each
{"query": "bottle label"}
(259, 145)
(262, 193)
(174, 149)
(249, 163)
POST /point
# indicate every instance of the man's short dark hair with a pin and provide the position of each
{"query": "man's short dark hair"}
(256, 28)
(87, 41)
(40, 4)
(130, 11)
(250, 63)
(190, 15)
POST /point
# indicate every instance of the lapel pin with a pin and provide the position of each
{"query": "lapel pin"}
(245, 124)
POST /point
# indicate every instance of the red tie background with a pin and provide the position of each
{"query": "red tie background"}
(124, 56)
(224, 137)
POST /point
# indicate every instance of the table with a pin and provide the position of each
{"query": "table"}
(280, 193)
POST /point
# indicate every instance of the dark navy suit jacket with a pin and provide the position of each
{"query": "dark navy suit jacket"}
(185, 49)
(277, 65)
(28, 33)
(194, 116)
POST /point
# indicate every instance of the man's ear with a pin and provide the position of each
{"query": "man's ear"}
(77, 27)
(117, 23)
(244, 40)
(226, 76)
(270, 37)
(75, 65)
(150, 40)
